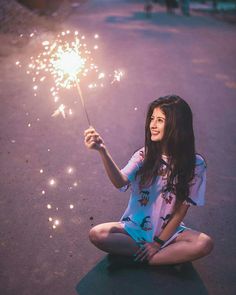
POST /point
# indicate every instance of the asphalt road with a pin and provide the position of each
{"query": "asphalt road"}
(44, 247)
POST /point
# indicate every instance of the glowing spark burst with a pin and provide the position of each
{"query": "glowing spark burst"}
(67, 62)
(71, 206)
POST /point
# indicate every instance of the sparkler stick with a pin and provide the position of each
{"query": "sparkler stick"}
(82, 101)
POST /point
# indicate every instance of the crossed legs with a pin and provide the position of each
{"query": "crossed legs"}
(188, 246)
(112, 238)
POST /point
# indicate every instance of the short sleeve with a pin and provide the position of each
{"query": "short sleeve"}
(198, 187)
(132, 167)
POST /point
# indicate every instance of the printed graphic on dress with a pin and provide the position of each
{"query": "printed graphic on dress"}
(128, 219)
(144, 198)
(165, 220)
(167, 192)
(146, 224)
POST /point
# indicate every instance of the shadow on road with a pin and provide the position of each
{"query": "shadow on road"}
(116, 275)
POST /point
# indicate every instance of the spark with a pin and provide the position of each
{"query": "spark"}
(70, 170)
(70, 112)
(56, 98)
(52, 182)
(118, 74)
(45, 43)
(56, 223)
(71, 206)
(101, 76)
(60, 110)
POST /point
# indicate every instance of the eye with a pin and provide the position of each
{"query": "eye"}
(160, 120)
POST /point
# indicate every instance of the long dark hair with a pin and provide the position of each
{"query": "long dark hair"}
(178, 141)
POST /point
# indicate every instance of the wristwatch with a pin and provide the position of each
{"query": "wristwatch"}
(159, 241)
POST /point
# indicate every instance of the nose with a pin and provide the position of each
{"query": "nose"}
(153, 124)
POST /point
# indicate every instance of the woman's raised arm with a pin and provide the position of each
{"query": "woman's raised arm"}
(94, 141)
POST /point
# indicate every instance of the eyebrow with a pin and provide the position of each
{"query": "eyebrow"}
(158, 117)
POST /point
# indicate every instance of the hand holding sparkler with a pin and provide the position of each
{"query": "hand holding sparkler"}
(93, 139)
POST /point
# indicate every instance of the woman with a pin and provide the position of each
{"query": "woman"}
(166, 178)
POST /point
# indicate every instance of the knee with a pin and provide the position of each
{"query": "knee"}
(96, 235)
(205, 244)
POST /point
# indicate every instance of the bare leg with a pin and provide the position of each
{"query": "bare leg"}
(112, 238)
(188, 246)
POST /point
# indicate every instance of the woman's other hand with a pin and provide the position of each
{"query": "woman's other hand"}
(93, 140)
(146, 251)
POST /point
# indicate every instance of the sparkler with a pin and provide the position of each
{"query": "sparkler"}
(69, 61)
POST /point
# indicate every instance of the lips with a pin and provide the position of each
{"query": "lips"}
(155, 133)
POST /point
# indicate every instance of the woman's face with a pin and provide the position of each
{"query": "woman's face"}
(157, 124)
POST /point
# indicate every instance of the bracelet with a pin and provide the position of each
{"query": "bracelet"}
(159, 241)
